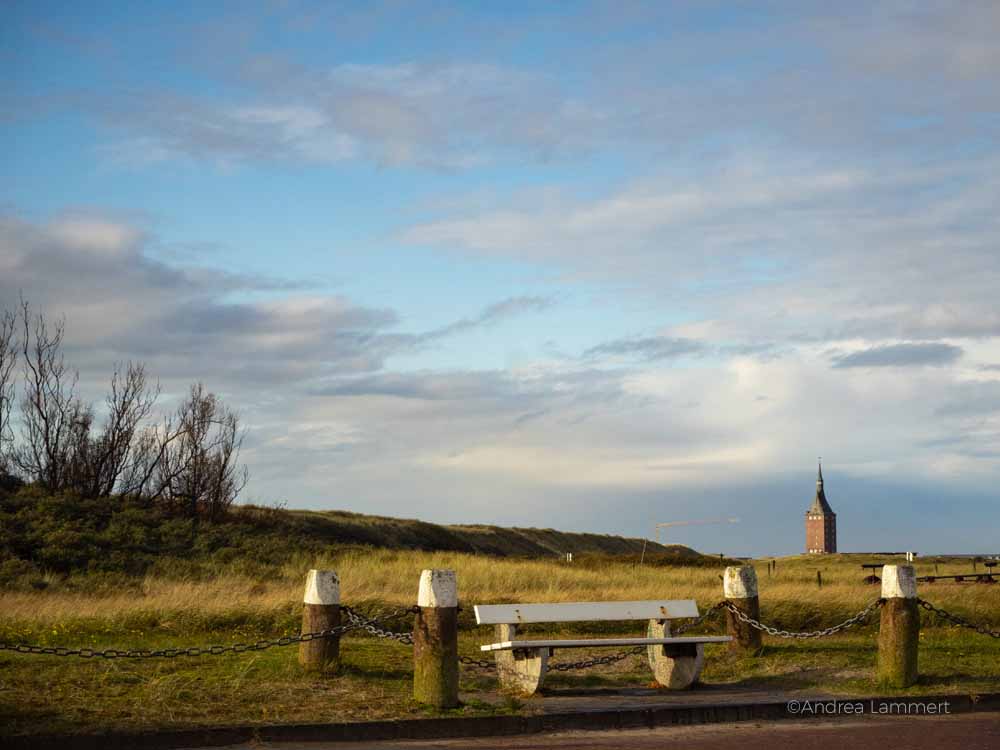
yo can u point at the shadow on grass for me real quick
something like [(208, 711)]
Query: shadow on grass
[(950, 679), (376, 673), (795, 649), (804, 680)]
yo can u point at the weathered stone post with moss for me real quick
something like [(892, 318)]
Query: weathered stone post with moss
[(321, 611), (739, 586), (899, 628), (435, 640)]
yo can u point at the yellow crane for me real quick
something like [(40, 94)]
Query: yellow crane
[(700, 522)]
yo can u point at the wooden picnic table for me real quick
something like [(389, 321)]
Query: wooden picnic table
[(872, 579)]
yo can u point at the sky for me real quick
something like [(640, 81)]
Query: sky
[(582, 265)]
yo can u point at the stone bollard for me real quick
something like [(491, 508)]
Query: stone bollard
[(435, 640), (739, 586), (899, 627), (321, 611)]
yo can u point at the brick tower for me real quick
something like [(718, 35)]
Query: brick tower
[(821, 522)]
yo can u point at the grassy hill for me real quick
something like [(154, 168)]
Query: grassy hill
[(46, 540), (342, 527)]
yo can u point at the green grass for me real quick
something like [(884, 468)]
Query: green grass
[(951, 661), (56, 694)]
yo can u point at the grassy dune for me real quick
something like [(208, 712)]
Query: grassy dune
[(65, 542)]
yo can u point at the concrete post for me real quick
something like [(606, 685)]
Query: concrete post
[(321, 611), (435, 640), (739, 586), (899, 628)]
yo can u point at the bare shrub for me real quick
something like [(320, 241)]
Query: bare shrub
[(105, 461), (192, 457), (53, 418), (188, 461), (8, 361)]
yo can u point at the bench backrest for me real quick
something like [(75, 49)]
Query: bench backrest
[(508, 614)]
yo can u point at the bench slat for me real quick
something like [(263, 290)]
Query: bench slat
[(502, 614), (507, 645)]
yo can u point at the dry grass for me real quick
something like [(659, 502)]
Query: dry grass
[(790, 597), (390, 577)]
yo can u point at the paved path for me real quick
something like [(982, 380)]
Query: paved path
[(957, 732)]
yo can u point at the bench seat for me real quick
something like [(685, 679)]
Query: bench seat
[(497, 614), (505, 645)]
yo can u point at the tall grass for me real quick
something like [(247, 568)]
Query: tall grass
[(174, 604)]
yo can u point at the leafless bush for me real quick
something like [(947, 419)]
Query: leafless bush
[(197, 472), (53, 418), (8, 361), (188, 461), (104, 460)]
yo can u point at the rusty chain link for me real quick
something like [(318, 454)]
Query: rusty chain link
[(698, 620), (171, 653), (356, 621), (477, 663), (860, 617), (486, 664), (597, 661), (622, 655), (370, 624), (958, 620)]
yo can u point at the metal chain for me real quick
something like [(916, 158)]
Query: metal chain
[(597, 661), (370, 624), (477, 663), (958, 620), (486, 664), (698, 620), (355, 621), (171, 653), (622, 655), (860, 617)]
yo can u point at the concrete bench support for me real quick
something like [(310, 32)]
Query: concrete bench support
[(675, 666), (521, 671), (435, 640), (739, 586), (321, 611), (899, 627)]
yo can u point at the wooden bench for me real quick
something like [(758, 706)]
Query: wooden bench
[(676, 661)]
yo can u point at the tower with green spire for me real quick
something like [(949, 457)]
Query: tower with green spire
[(821, 521)]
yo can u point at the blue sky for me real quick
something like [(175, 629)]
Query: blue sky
[(586, 265)]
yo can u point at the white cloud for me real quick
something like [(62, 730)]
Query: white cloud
[(306, 131), (100, 238), (772, 248)]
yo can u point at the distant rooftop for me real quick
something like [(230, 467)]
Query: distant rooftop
[(819, 503)]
